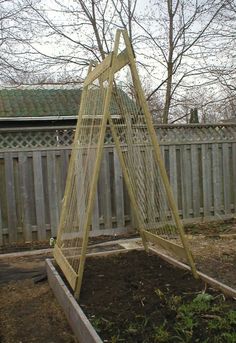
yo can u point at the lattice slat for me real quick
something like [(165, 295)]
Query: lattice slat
[(167, 134)]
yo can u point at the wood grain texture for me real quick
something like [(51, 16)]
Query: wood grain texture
[(10, 198), (53, 191), (119, 194), (1, 226), (79, 323), (226, 178), (216, 179), (195, 180), (234, 173), (68, 271), (206, 180), (25, 199), (165, 244), (219, 176), (39, 195)]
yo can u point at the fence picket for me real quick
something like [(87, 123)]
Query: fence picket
[(24, 177), (226, 177), (234, 174), (202, 173), (216, 179), (1, 227), (39, 195), (173, 171), (186, 181), (195, 180), (206, 180), (95, 216), (10, 198), (105, 188), (119, 194), (64, 167), (52, 191)]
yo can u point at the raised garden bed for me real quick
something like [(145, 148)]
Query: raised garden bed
[(141, 298), (19, 318), (138, 297)]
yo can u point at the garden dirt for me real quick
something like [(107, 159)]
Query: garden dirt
[(29, 312), (138, 297)]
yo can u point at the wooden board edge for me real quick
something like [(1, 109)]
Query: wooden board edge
[(108, 252), (79, 323), (165, 244), (103, 68), (66, 268), (26, 253), (121, 60), (227, 290), (226, 236), (98, 70), (101, 232)]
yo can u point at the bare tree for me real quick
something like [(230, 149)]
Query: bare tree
[(11, 38), (175, 42), (65, 36), (185, 28), (223, 69)]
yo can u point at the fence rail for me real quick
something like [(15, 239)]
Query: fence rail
[(200, 162)]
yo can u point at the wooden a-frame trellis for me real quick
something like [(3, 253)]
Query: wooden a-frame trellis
[(152, 201)]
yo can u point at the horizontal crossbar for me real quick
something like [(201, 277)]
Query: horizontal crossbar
[(165, 244), (98, 70), (121, 60), (103, 69), (68, 271)]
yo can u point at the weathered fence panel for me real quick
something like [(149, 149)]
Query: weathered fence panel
[(200, 162)]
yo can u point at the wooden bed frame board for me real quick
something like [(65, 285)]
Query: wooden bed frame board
[(78, 321)]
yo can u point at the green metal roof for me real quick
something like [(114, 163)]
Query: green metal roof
[(24, 104), (20, 103)]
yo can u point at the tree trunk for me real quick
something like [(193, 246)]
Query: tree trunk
[(168, 94), (169, 63)]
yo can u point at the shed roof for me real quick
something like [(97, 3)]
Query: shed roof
[(39, 103), (44, 104)]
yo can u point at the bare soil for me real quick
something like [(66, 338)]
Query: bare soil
[(212, 228), (29, 312), (214, 255), (216, 258), (137, 297), (23, 246)]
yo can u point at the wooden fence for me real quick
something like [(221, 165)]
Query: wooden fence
[(200, 161)]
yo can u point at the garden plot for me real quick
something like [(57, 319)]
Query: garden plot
[(162, 293), (214, 247), (29, 312), (138, 297)]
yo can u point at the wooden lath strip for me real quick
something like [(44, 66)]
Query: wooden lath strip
[(68, 271), (121, 60), (103, 69), (98, 70), (72, 162), (94, 180), (165, 244), (157, 152)]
